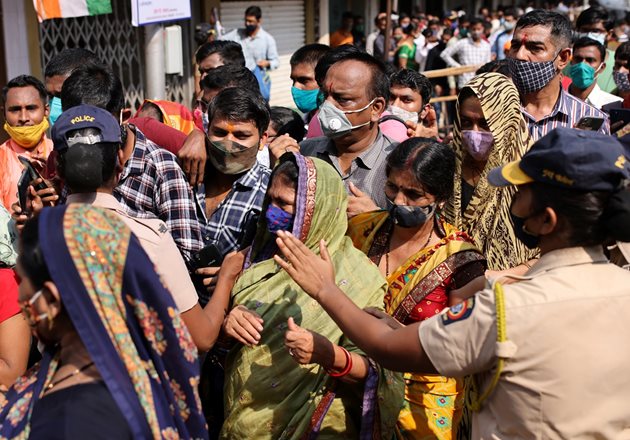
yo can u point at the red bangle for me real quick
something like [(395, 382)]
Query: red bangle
[(346, 369)]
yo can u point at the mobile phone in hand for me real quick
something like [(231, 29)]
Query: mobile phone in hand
[(590, 123)]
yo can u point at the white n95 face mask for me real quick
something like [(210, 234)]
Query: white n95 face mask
[(334, 121), (403, 114)]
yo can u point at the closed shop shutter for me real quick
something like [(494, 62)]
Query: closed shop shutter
[(284, 20)]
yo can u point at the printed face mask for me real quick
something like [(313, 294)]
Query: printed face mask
[(55, 110), (478, 143), (334, 121), (27, 136), (278, 219), (229, 157), (403, 114), (582, 75), (621, 81), (305, 100), (531, 76), (407, 216)]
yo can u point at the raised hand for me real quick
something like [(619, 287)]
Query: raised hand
[(311, 272)]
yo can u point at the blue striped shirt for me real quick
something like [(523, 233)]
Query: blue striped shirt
[(567, 112)]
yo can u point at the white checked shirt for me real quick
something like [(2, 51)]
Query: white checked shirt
[(468, 53)]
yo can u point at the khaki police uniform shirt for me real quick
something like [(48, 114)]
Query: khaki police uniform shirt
[(159, 245), (568, 355)]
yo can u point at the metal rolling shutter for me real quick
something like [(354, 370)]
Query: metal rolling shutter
[(284, 20)]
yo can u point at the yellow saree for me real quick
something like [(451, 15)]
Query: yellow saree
[(433, 404)]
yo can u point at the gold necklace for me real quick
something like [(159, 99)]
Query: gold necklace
[(389, 241), (74, 373)]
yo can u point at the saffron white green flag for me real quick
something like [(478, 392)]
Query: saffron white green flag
[(47, 9)]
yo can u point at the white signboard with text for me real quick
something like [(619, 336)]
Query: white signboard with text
[(158, 11)]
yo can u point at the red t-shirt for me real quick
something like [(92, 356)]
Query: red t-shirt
[(8, 294)]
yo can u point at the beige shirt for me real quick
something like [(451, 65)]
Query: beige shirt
[(566, 375), (159, 245)]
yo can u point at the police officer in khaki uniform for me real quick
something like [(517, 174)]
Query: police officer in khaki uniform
[(83, 135), (549, 353)]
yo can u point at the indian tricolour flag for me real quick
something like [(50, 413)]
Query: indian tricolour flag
[(47, 9)]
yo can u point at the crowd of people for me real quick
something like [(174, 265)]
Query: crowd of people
[(235, 270)]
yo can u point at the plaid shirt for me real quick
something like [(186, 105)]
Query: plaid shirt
[(152, 185), (468, 53), (566, 113), (226, 225)]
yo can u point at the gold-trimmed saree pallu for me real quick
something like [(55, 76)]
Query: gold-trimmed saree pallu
[(267, 394), (487, 216), (433, 404)]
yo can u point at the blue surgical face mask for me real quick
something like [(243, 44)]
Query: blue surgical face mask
[(55, 110), (305, 100), (278, 219)]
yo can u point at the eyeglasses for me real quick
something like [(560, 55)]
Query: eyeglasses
[(29, 313)]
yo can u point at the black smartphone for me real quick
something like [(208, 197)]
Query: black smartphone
[(26, 178), (590, 123), (209, 256)]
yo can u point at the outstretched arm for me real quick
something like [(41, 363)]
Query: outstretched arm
[(399, 350)]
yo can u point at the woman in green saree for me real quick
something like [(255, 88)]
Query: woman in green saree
[(285, 382)]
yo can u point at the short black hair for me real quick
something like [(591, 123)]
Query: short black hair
[(432, 163), (594, 15), (475, 20), (93, 85), (410, 29), (230, 52), (379, 83), (309, 54), (69, 59), (85, 168), (498, 66), (560, 25), (230, 76), (623, 51), (284, 120), (239, 104), (26, 81), (415, 81), (587, 42), (330, 58), (253, 11), (512, 12)]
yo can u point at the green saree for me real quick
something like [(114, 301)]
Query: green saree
[(267, 394)]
